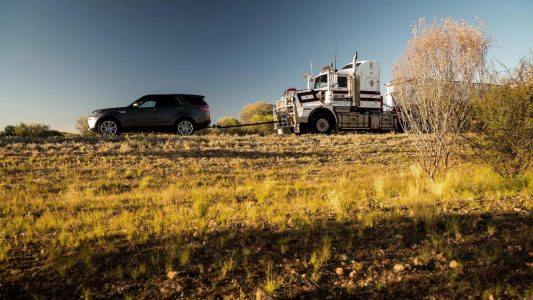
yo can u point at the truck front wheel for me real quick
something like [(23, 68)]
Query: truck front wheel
[(323, 123)]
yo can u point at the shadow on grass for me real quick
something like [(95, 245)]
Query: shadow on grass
[(491, 252)]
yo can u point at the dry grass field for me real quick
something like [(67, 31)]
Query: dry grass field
[(345, 216)]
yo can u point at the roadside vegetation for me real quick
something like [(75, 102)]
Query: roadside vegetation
[(348, 215), (29, 130)]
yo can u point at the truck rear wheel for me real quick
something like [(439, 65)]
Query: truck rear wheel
[(398, 126), (323, 123)]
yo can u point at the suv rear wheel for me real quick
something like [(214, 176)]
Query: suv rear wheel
[(185, 127), (108, 128)]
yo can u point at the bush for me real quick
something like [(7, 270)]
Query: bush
[(229, 121), (503, 121), (258, 112), (82, 126), (30, 130)]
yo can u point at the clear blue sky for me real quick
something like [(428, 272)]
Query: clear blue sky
[(60, 60)]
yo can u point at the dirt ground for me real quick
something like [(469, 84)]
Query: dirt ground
[(221, 217)]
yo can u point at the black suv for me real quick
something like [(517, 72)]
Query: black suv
[(178, 113)]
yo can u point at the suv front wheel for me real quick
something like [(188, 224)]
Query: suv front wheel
[(108, 128), (185, 127)]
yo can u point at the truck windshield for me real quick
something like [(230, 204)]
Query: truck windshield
[(321, 81)]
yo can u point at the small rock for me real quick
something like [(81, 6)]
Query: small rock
[(441, 257), (398, 268), (416, 262), (339, 271), (343, 257), (304, 275), (172, 274), (453, 264), (353, 274)]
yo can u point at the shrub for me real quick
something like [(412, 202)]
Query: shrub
[(229, 121), (503, 121), (258, 112), (30, 130), (82, 126)]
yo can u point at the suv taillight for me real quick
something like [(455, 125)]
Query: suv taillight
[(203, 108)]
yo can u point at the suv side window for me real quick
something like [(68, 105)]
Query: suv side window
[(167, 101), (147, 104), (194, 100), (163, 101)]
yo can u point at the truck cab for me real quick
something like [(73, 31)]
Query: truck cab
[(345, 99)]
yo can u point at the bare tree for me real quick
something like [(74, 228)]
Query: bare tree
[(433, 81)]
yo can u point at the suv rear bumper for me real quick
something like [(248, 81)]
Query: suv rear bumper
[(203, 124)]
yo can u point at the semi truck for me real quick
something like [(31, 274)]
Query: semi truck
[(337, 100)]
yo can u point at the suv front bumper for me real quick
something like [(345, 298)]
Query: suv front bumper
[(91, 122)]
